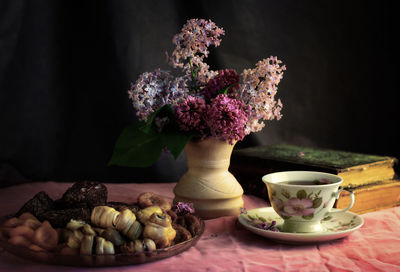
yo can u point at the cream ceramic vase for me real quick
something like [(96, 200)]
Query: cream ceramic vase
[(208, 184)]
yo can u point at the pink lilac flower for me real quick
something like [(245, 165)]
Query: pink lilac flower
[(224, 79), (193, 42), (189, 114), (298, 207), (226, 118), (258, 89), (154, 90)]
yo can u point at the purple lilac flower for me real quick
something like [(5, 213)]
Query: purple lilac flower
[(182, 208), (269, 226), (258, 89), (224, 79), (193, 42), (154, 90), (189, 114), (226, 118)]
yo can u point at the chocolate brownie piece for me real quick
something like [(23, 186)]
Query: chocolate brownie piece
[(37, 205), (60, 218), (85, 194)]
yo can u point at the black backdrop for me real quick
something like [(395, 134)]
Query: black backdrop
[(65, 67)]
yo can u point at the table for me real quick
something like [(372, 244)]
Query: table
[(225, 246)]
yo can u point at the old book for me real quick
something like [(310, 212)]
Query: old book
[(250, 164), (372, 197)]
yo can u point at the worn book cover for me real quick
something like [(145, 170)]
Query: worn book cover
[(250, 164), (372, 197)]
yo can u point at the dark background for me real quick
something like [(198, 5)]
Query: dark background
[(66, 66)]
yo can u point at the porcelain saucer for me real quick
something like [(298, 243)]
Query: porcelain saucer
[(337, 226)]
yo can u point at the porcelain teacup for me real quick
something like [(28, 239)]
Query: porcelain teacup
[(304, 198)]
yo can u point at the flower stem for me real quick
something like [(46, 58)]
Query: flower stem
[(193, 73)]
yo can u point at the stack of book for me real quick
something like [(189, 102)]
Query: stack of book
[(372, 178)]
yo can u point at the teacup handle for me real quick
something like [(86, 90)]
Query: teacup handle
[(352, 199)]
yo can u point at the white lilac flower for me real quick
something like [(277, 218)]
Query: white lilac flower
[(154, 90)]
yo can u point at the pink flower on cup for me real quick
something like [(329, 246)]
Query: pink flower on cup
[(277, 203), (298, 207)]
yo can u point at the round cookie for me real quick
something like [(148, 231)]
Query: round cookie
[(149, 199)]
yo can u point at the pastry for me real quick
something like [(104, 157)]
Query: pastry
[(182, 234), (119, 206), (190, 222), (173, 215), (103, 246), (113, 236), (87, 244), (69, 251), (19, 241), (85, 194), (159, 229), (149, 199), (35, 247), (67, 223), (12, 222), (138, 246), (144, 215), (74, 240), (24, 231), (88, 230), (135, 230), (193, 224), (31, 223), (75, 224), (124, 220), (45, 236), (103, 216), (26, 216)]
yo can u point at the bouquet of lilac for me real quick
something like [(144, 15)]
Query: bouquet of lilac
[(200, 103)]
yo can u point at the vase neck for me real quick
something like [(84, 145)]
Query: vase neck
[(209, 153)]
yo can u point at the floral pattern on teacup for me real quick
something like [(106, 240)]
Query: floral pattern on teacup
[(302, 204)]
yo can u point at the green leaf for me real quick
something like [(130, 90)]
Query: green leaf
[(225, 90), (165, 110), (301, 194), (308, 217), (175, 140), (285, 193), (317, 202), (135, 148)]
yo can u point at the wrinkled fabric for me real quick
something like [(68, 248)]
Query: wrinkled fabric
[(226, 246)]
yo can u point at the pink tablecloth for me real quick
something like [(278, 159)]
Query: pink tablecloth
[(226, 247)]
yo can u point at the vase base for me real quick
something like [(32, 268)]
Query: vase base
[(210, 209)]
